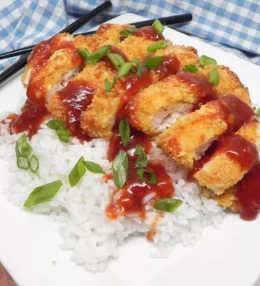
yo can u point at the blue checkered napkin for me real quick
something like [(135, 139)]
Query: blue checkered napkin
[(234, 24)]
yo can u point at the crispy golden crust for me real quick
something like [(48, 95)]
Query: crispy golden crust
[(95, 75), (229, 83), (186, 55), (105, 35), (164, 94), (222, 172), (227, 198), (36, 57), (187, 139)]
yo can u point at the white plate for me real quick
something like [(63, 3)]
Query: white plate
[(29, 243)]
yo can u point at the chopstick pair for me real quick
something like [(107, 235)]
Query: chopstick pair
[(22, 62)]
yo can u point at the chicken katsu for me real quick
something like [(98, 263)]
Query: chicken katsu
[(199, 114)]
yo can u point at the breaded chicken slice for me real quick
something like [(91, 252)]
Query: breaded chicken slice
[(157, 107), (233, 157), (105, 35), (94, 77), (43, 51), (186, 55), (187, 140), (229, 83)]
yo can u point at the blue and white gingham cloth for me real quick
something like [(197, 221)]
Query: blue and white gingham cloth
[(233, 24)]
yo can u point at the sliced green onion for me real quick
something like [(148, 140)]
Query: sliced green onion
[(116, 60), (23, 146), (157, 46), (125, 69), (124, 130), (214, 76), (34, 164), (158, 27), (258, 113), (205, 61), (153, 62), (84, 53), (22, 163), (147, 176), (168, 204), (109, 84), (77, 172), (93, 167), (99, 54), (120, 167), (55, 124), (43, 194), (191, 68), (141, 161), (127, 32), (64, 134), (138, 66)]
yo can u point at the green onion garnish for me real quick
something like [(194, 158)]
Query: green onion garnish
[(124, 131), (138, 67), (109, 84), (168, 204), (128, 31), (61, 131), (258, 113), (93, 167), (120, 167), (34, 164), (205, 61), (24, 158), (153, 62), (157, 46), (191, 68), (98, 55), (158, 27), (77, 172), (214, 76), (84, 53), (116, 60), (147, 176), (125, 69), (141, 161), (43, 194)]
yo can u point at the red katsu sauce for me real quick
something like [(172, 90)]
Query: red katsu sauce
[(152, 232), (75, 98), (129, 199), (235, 147), (8, 122), (30, 119), (149, 33), (115, 50), (248, 194)]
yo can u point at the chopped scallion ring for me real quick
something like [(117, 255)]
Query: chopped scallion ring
[(125, 69), (99, 54), (138, 66), (77, 172), (23, 163), (147, 176), (120, 167), (205, 60), (128, 31), (93, 167), (116, 60), (124, 130), (191, 68), (84, 53), (158, 27), (258, 113), (153, 62), (34, 164), (214, 76), (141, 161), (157, 46), (168, 204), (61, 131)]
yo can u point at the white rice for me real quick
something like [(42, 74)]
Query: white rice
[(91, 237)]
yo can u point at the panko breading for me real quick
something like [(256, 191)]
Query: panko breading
[(188, 139), (222, 171), (186, 55), (229, 83), (168, 99), (105, 35)]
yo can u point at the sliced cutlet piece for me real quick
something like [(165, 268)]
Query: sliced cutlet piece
[(157, 107), (186, 55), (68, 103), (230, 160), (64, 62), (229, 82), (105, 35)]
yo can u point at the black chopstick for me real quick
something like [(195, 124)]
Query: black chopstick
[(177, 19), (9, 72)]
